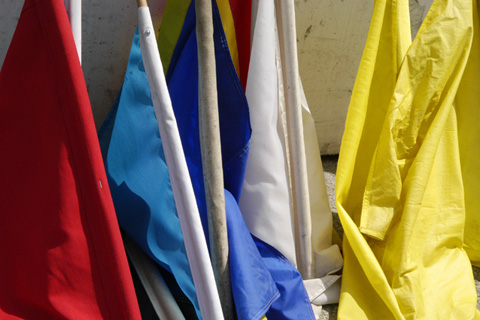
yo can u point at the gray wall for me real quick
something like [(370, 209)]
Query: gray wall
[(331, 37), (107, 32)]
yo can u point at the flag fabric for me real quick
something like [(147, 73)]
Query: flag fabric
[(59, 234), (138, 175), (140, 183), (249, 266), (282, 289), (467, 102), (182, 78), (325, 287), (387, 43), (183, 193), (265, 201), (172, 22), (242, 17), (400, 193), (229, 29), (174, 18)]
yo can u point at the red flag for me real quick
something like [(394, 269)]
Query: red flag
[(60, 246)]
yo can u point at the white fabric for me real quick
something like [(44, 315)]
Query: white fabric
[(187, 209), (327, 256), (266, 195), (265, 200), (323, 291)]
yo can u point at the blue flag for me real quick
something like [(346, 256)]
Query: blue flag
[(263, 280)]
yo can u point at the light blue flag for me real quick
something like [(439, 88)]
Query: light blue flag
[(138, 176)]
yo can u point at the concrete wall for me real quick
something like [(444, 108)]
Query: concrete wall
[(107, 32), (331, 37)]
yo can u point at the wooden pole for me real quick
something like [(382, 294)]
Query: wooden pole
[(211, 154), (301, 200)]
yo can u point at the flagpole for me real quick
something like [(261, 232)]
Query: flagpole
[(157, 291), (183, 193), (74, 11), (301, 200), (211, 154), (152, 281)]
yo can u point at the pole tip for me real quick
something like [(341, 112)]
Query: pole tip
[(142, 3)]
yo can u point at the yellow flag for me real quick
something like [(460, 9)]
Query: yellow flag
[(467, 105), (366, 292), (401, 193)]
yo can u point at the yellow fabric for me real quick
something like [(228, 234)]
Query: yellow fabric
[(229, 28), (399, 176), (366, 292), (172, 24), (170, 29), (467, 104)]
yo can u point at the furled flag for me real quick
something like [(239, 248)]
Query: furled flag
[(138, 175), (399, 184), (61, 249), (183, 193), (387, 43), (265, 201), (250, 265)]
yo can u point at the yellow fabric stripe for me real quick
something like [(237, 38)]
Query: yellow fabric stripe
[(172, 24), (170, 29), (229, 28)]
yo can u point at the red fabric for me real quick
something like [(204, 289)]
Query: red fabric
[(61, 251), (242, 15)]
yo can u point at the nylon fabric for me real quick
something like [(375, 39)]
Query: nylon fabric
[(170, 29), (466, 105), (187, 209), (173, 20), (242, 16), (59, 233), (235, 136), (265, 201), (138, 175), (396, 186)]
